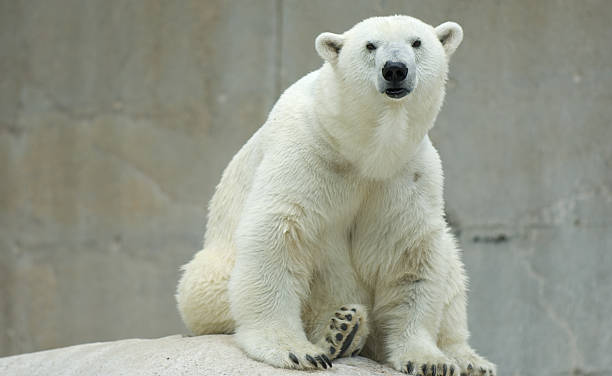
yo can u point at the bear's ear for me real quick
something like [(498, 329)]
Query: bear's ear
[(328, 46), (450, 35)]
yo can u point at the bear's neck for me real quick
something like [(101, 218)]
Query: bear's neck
[(377, 136)]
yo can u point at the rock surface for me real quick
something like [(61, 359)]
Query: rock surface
[(173, 355)]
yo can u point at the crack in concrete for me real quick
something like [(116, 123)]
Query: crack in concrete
[(562, 210), (577, 358), (157, 188)]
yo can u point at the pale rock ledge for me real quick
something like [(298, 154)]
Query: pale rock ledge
[(175, 355)]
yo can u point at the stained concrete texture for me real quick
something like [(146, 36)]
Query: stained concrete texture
[(117, 118), (169, 356)]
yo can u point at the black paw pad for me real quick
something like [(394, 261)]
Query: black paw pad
[(343, 326), (349, 340), (332, 350), (349, 317), (339, 337)]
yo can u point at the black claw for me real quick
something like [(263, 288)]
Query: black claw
[(353, 309), (433, 370), (470, 368), (343, 326), (338, 315), (332, 350), (349, 317), (328, 339), (452, 370), (482, 370), (321, 361), (424, 369), (444, 369), (344, 308), (356, 352), (294, 358), (410, 367), (326, 360), (311, 360), (339, 337)]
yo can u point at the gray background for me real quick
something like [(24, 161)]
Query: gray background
[(118, 117)]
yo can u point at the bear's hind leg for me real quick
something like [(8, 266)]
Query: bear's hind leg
[(202, 296), (346, 332)]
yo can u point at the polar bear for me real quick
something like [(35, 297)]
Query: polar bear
[(326, 236)]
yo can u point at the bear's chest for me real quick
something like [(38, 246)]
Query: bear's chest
[(361, 210)]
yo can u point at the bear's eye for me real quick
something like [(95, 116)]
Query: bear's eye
[(370, 46), (416, 43)]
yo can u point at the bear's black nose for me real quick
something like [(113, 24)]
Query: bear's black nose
[(394, 71)]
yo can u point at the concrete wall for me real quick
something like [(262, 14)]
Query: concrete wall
[(118, 117)]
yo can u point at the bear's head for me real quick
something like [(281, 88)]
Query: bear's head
[(393, 57)]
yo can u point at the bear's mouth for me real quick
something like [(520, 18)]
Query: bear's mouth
[(397, 92)]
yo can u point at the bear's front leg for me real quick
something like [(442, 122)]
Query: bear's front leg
[(268, 284), (408, 308), (454, 334)]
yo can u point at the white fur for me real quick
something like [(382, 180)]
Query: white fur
[(337, 199)]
